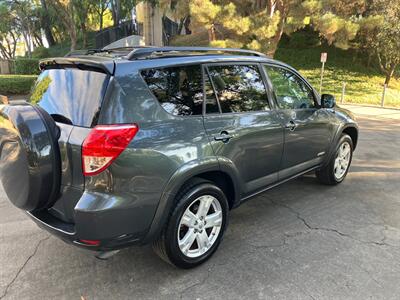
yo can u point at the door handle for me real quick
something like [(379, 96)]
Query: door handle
[(291, 125), (224, 137)]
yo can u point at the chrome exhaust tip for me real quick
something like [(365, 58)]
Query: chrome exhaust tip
[(104, 255)]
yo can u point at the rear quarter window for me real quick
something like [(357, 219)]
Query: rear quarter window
[(179, 90), (71, 96)]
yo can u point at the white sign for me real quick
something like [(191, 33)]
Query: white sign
[(324, 57)]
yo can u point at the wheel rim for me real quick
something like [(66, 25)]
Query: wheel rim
[(342, 160), (200, 226)]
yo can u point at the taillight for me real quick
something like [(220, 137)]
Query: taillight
[(104, 144)]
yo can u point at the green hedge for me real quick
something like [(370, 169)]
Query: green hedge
[(16, 84), (26, 66)]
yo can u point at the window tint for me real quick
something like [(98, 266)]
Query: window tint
[(71, 96), (290, 91), (239, 88), (179, 89)]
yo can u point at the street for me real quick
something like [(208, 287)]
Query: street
[(301, 240)]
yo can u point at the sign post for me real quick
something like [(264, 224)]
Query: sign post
[(383, 95), (324, 57)]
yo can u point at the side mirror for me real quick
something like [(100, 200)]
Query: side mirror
[(328, 101)]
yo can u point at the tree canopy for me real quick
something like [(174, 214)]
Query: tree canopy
[(371, 26)]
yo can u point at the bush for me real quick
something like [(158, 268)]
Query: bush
[(41, 52), (26, 66), (16, 84)]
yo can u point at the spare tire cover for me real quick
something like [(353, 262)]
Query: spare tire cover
[(30, 166)]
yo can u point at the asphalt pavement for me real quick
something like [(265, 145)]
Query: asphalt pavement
[(301, 240)]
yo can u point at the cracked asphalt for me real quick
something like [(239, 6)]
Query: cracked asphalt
[(301, 240)]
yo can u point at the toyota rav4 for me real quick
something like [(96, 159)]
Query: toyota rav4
[(130, 146)]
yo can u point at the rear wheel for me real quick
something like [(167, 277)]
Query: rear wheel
[(195, 227), (336, 170)]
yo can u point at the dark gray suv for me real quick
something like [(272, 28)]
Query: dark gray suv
[(131, 146)]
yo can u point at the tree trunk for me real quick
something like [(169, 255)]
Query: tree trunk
[(46, 24), (369, 60), (181, 24), (38, 39), (14, 49), (271, 6), (260, 4), (275, 40), (211, 33), (73, 38), (116, 11), (390, 73), (66, 13), (84, 35), (101, 21), (28, 44)]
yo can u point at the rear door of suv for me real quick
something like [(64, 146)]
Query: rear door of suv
[(240, 123), (73, 98)]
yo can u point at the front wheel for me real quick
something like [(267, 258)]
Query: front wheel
[(195, 227), (336, 170)]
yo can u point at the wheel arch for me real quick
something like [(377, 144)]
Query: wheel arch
[(352, 131), (222, 173)]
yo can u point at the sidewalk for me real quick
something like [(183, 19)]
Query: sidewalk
[(370, 111)]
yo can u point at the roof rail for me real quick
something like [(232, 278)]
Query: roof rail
[(138, 53), (95, 51), (83, 52)]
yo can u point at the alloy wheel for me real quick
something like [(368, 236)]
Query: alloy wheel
[(342, 160), (200, 226)]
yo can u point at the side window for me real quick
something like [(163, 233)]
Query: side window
[(290, 91), (239, 88), (178, 89)]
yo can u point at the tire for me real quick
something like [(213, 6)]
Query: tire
[(190, 197), (30, 163), (327, 174)]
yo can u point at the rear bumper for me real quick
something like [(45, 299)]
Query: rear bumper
[(67, 233), (99, 217)]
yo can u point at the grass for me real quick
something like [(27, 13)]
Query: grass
[(364, 85)]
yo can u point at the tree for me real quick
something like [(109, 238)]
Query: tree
[(379, 35), (46, 23), (121, 9), (82, 8), (66, 12), (259, 24), (8, 36), (100, 10), (388, 37), (116, 11), (25, 22), (180, 10)]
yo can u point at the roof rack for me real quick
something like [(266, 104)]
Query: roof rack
[(138, 53), (82, 52), (123, 50)]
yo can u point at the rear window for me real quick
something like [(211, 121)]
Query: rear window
[(71, 96)]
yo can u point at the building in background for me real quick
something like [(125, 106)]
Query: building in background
[(149, 26)]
